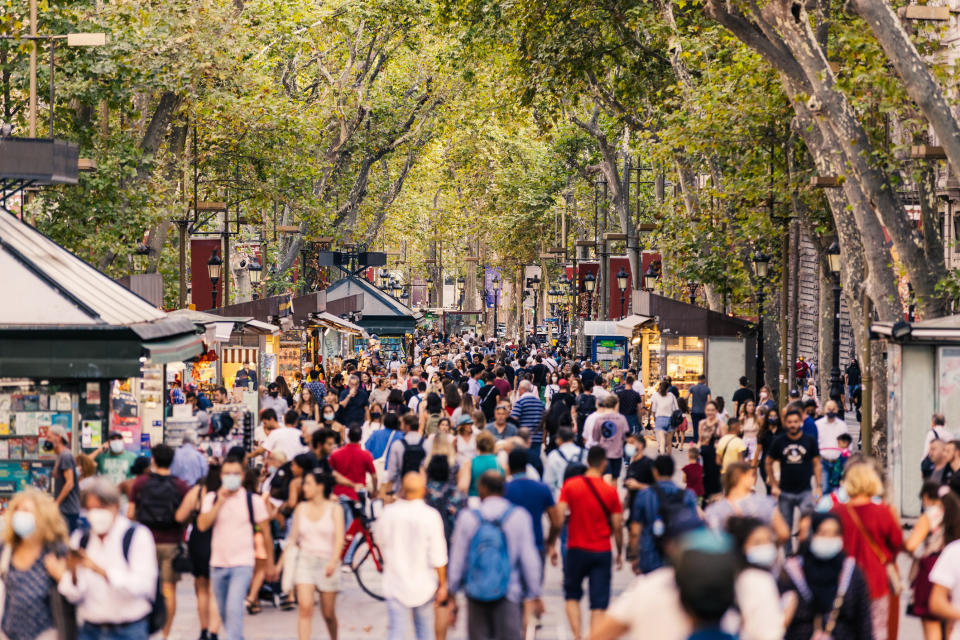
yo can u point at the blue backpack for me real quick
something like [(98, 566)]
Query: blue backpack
[(488, 560)]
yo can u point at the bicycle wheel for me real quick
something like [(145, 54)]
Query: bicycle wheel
[(367, 566)]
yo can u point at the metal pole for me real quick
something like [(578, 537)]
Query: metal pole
[(866, 390), (53, 45), (836, 385), (182, 228), (784, 301), (33, 68), (761, 369), (214, 295)]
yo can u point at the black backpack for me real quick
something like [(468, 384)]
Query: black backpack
[(676, 419), (574, 467), (671, 511), (280, 482), (586, 404), (158, 613), (413, 456), (157, 502), (489, 395)]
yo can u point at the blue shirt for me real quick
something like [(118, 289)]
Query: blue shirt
[(810, 428), (189, 464), (646, 510), (317, 390), (352, 410), (528, 411), (533, 496), (379, 440), (524, 556)]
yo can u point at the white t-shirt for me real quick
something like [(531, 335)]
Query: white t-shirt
[(827, 432), (663, 405), (638, 387), (287, 440), (945, 435), (410, 536), (946, 573), (651, 608)]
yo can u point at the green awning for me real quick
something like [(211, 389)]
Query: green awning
[(175, 349)]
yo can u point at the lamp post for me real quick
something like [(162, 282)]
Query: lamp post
[(650, 278), (461, 282), (535, 285), (256, 274), (761, 265), (496, 305), (590, 283), (836, 385), (692, 287), (622, 278), (214, 265)]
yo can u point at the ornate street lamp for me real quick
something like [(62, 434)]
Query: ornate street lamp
[(692, 287), (590, 283), (255, 269), (650, 278), (622, 277), (836, 385), (214, 266)]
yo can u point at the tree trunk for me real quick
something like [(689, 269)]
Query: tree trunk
[(917, 78)]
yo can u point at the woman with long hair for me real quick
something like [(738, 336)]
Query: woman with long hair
[(709, 435), (823, 589), (308, 408), (749, 427), (451, 398), (662, 405), (444, 496), (945, 575), (374, 421), (769, 428), (366, 382), (467, 406), (31, 562), (284, 389), (430, 413), (873, 537), (395, 403), (925, 542), (317, 535), (198, 545)]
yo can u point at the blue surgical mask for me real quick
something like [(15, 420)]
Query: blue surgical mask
[(232, 481), (826, 548), (762, 555), (831, 415), (24, 523)]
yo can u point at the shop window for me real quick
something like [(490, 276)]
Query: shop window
[(685, 343), (684, 368)]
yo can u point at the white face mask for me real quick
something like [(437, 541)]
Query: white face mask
[(328, 416), (762, 555), (116, 446), (232, 481), (826, 548), (100, 520), (630, 450), (24, 523)]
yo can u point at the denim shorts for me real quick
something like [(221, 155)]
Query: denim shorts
[(662, 423)]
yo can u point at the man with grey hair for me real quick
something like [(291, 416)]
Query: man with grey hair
[(65, 481), (189, 464), (353, 403), (114, 581)]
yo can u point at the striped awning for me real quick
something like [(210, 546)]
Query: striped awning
[(239, 355)]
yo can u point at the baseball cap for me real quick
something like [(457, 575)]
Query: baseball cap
[(114, 434), (464, 420), (563, 382)]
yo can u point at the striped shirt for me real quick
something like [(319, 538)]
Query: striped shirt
[(528, 411)]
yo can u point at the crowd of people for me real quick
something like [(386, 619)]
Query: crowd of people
[(494, 462)]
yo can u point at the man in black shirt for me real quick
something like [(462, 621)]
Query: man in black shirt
[(630, 403), (588, 375), (741, 395), (510, 372), (799, 458), (539, 373), (640, 468), (853, 378)]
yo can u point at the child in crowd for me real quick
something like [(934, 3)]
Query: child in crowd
[(693, 472)]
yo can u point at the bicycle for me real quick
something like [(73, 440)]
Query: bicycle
[(367, 561)]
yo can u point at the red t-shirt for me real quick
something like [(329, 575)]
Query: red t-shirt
[(354, 463), (878, 521), (587, 527), (503, 386), (693, 476), (161, 536)]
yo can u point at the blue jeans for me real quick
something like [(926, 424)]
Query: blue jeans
[(398, 620), (134, 631), (72, 520), (787, 502), (230, 586)]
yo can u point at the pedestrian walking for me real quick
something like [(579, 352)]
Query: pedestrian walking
[(154, 499), (710, 428), (698, 396), (663, 404), (189, 463), (799, 459), (925, 543), (34, 545), (945, 575), (495, 563), (198, 549), (757, 595), (529, 408), (741, 500), (607, 428), (65, 481), (313, 552), (113, 459), (485, 460), (824, 591), (234, 515), (595, 513), (730, 448), (411, 537), (112, 576)]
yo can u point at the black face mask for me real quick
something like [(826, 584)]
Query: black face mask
[(274, 394), (375, 416), (47, 445)]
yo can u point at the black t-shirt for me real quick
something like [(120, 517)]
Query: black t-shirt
[(511, 375), (740, 396), (539, 372), (564, 397), (629, 399), (796, 461), (587, 376), (853, 374), (642, 471)]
